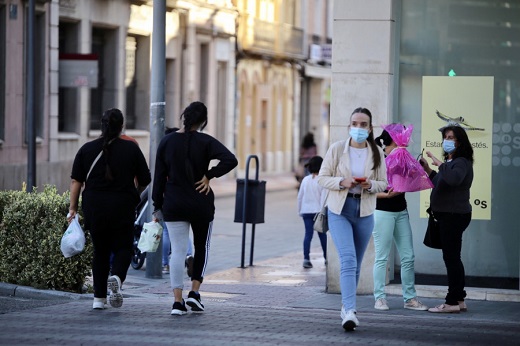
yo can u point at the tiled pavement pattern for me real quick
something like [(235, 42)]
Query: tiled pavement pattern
[(276, 302)]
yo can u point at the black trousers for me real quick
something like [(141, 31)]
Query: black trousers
[(111, 236), (452, 226)]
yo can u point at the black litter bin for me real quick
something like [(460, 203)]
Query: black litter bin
[(255, 201)]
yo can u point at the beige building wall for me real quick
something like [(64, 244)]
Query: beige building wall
[(265, 114), (208, 22), (270, 52), (362, 76)]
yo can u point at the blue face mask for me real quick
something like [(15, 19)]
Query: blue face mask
[(448, 146), (358, 134)]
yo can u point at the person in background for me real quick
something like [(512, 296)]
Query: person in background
[(183, 197), (449, 202), (109, 201), (392, 223), (308, 149), (311, 197), (353, 171)]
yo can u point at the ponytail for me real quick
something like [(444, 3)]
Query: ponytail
[(111, 127), (195, 118)]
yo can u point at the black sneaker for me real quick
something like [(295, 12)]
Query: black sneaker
[(179, 308), (194, 301)]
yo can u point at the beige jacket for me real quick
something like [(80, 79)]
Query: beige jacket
[(336, 167)]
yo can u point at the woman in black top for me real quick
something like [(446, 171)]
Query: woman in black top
[(109, 201), (449, 202), (182, 197)]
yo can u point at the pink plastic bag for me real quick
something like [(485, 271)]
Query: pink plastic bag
[(404, 173)]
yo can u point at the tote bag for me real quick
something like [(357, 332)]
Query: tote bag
[(150, 237)]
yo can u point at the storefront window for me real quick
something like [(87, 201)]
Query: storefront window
[(472, 38)]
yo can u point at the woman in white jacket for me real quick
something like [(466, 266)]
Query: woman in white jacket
[(354, 171)]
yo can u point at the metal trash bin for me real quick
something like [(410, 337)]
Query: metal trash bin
[(255, 201)]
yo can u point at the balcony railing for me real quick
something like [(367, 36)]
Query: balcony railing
[(271, 38)]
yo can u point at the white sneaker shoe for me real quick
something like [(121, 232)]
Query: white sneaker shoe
[(99, 303), (381, 304), (114, 286), (415, 304), (349, 320)]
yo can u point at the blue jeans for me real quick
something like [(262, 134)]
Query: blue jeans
[(350, 234), (165, 245), (308, 220), (390, 226)]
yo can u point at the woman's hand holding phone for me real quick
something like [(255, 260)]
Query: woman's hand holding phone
[(363, 182)]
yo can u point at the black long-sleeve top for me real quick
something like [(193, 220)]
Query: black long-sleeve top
[(452, 183), (394, 204), (116, 198), (173, 190)]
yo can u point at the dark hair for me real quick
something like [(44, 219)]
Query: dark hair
[(370, 139), (384, 139), (195, 115), (464, 148), (314, 164), (308, 141), (111, 127)]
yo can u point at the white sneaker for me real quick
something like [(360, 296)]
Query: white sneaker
[(415, 304), (114, 286), (349, 320), (381, 304), (99, 303)]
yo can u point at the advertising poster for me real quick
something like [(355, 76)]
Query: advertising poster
[(468, 102)]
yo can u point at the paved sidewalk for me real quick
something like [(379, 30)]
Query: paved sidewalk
[(275, 302)]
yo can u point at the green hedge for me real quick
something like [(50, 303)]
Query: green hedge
[(31, 227)]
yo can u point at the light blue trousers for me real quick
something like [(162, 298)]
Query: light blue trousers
[(390, 227), (350, 234)]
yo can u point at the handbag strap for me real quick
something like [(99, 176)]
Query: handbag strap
[(93, 164), (325, 200)]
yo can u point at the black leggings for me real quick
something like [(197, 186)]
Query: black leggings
[(111, 236), (452, 226)]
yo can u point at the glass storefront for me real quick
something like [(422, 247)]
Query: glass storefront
[(472, 38)]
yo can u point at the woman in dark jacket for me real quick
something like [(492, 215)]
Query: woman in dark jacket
[(107, 167), (182, 197), (450, 204)]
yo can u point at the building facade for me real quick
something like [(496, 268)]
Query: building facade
[(91, 55), (269, 55), (316, 77)]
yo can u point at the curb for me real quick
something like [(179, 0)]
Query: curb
[(7, 289)]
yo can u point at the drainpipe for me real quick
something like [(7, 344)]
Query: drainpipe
[(29, 110)]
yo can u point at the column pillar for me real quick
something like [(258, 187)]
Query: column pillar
[(364, 47)]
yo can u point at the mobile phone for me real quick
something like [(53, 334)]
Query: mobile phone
[(360, 180), (420, 155)]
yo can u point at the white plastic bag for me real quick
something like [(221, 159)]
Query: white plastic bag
[(73, 240), (150, 237)]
